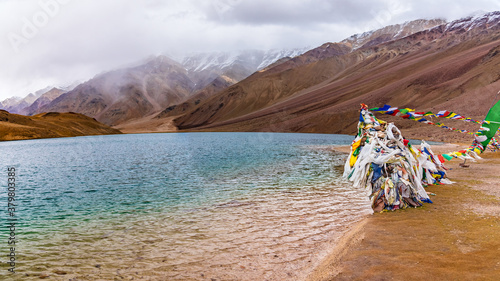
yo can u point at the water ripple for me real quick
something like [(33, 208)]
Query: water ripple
[(180, 206)]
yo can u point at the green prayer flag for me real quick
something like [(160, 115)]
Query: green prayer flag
[(489, 127), (447, 157)]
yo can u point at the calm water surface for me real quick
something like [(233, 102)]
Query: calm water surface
[(188, 206)]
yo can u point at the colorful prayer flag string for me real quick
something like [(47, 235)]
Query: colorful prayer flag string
[(474, 150)]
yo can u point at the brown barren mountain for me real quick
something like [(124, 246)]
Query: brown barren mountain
[(17, 104), (327, 50), (44, 99), (454, 66), (130, 96), (125, 94), (49, 125)]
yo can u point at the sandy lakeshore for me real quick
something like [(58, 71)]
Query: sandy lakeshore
[(456, 238)]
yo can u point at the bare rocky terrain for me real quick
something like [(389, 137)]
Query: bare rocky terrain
[(49, 125), (453, 66)]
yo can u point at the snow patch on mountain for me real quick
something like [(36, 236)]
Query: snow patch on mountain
[(487, 20), (251, 59), (391, 32), (274, 55)]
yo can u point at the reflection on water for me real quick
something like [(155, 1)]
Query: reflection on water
[(180, 206)]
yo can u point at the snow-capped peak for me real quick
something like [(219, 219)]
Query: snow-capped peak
[(487, 20), (250, 59), (391, 32)]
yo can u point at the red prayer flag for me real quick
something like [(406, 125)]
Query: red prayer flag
[(441, 158)]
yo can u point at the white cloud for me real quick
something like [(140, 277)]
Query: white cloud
[(60, 41)]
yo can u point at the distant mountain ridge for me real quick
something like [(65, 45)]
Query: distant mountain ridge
[(29, 104), (327, 50), (42, 100), (17, 104), (126, 94), (316, 90), (253, 59), (196, 76), (391, 32), (454, 65)]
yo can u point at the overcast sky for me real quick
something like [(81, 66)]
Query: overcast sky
[(57, 42)]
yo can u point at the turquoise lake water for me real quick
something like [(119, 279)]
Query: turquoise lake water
[(180, 206)]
